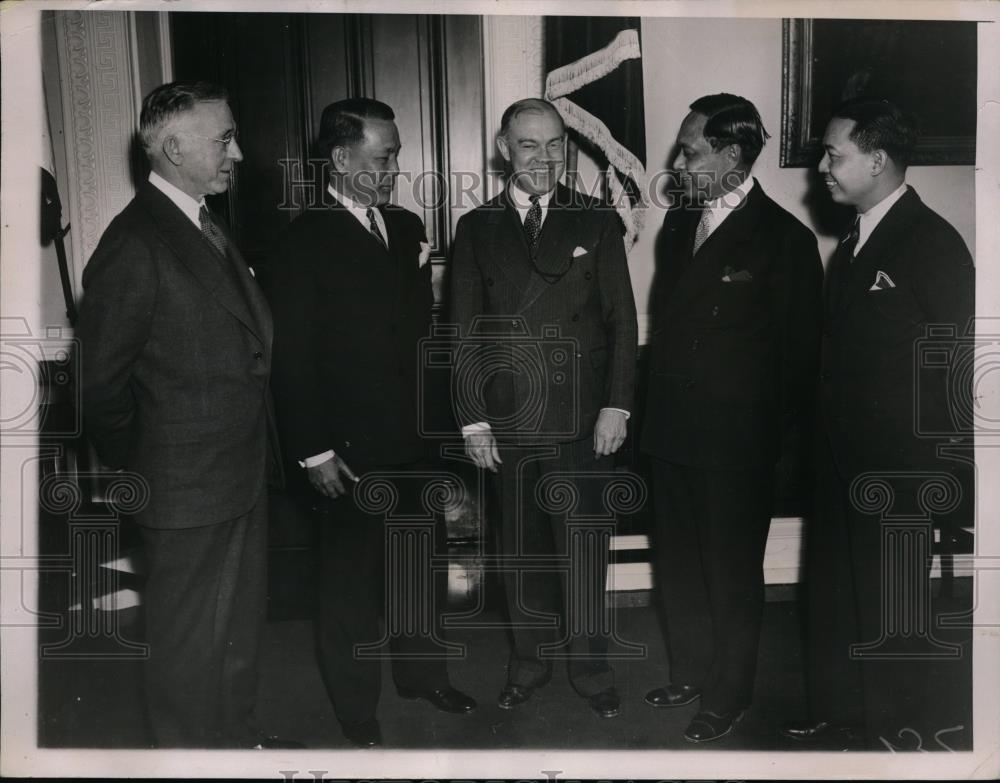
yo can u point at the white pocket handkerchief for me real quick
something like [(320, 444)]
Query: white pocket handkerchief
[(882, 282), (580, 251), (425, 254)]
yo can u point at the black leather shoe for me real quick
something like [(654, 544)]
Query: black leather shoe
[(513, 695), (672, 696), (366, 734), (445, 699), (708, 726), (269, 742), (606, 703), (808, 730)]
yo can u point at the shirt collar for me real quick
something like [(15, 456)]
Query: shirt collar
[(522, 201), (728, 202), (359, 212), (182, 200), (870, 219)]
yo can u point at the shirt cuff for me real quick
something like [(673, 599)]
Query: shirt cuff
[(476, 428), (620, 410), (319, 459)]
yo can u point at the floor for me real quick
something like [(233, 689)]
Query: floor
[(92, 699)]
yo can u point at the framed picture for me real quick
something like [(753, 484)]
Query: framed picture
[(926, 67)]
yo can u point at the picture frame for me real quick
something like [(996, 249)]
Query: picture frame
[(928, 68)]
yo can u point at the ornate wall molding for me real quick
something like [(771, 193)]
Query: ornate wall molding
[(512, 69), (97, 85)]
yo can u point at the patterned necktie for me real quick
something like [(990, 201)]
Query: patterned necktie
[(703, 230), (211, 231), (373, 227), (533, 223)]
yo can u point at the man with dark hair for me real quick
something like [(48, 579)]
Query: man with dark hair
[(175, 356), (541, 256), (733, 358), (900, 269), (351, 296)]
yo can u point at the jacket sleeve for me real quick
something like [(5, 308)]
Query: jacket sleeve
[(467, 301), (797, 313), (618, 309), (299, 401), (116, 316)]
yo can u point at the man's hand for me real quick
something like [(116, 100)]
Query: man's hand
[(609, 432), (482, 448), (327, 478)]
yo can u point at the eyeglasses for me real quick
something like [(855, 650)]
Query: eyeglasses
[(225, 141)]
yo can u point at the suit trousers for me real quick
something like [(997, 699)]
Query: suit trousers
[(709, 533), (205, 607), (557, 610), (844, 590), (361, 578)]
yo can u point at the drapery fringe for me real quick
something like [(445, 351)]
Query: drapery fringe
[(570, 78), (620, 158)]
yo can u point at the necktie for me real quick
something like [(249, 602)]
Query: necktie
[(851, 240), (841, 264), (211, 232), (703, 230), (533, 223), (373, 227)]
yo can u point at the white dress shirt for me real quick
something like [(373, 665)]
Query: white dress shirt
[(723, 206), (184, 202), (871, 218), (361, 213)]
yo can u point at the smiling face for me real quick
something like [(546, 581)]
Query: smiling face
[(705, 173), (535, 148), (203, 165), (850, 173), (368, 169)]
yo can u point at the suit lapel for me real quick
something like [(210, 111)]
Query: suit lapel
[(508, 250), (553, 256), (879, 247), (706, 267), (197, 256)]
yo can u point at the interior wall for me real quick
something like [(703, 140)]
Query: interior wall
[(684, 59)]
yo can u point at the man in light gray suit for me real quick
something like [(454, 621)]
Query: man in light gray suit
[(543, 256)]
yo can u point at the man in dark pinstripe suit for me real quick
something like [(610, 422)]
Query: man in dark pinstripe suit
[(546, 268)]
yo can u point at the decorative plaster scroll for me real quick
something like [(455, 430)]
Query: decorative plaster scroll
[(100, 112)]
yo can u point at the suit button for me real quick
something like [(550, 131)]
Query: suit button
[(694, 345), (258, 355), (587, 275), (715, 310), (576, 316), (347, 443)]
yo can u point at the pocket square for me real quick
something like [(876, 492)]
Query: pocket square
[(425, 253), (580, 251), (730, 275), (882, 282)]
